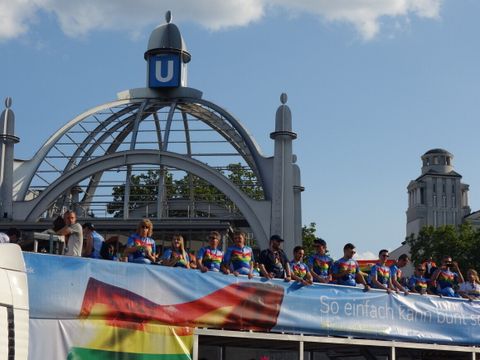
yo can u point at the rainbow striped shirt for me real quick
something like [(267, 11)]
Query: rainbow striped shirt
[(211, 258), (348, 265), (418, 283), (299, 269), (182, 261), (320, 264), (446, 278), (239, 258), (382, 272)]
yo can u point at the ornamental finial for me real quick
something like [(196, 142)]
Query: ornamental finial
[(168, 16)]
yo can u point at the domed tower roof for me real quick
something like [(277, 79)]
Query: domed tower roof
[(438, 151), (167, 37), (437, 161)]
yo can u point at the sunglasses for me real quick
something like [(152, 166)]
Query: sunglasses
[(145, 227), (422, 270), (385, 255)]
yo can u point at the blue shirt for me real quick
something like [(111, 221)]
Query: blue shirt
[(140, 243), (396, 273), (182, 261), (239, 258), (382, 272), (352, 268), (97, 245), (418, 283), (299, 268), (320, 264), (211, 258)]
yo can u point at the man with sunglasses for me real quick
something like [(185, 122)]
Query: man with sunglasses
[(346, 271), (209, 258), (273, 262), (320, 264), (418, 283), (445, 278), (379, 277)]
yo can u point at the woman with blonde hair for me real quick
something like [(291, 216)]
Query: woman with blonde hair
[(176, 256), (470, 288), (140, 246)]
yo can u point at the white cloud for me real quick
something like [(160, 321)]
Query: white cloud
[(77, 18), (365, 15), (366, 255), (15, 15)]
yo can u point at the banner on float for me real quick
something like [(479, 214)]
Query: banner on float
[(96, 339), (140, 297)]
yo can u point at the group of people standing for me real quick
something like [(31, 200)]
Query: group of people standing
[(238, 259), (445, 280)]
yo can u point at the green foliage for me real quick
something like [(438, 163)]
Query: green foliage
[(144, 189), (461, 243), (192, 186), (245, 179), (308, 235)]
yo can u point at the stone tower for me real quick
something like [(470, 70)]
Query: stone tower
[(437, 197)]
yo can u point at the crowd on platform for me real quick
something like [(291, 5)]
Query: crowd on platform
[(428, 278)]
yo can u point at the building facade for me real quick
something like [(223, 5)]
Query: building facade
[(437, 197)]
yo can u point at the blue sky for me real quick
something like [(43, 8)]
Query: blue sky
[(372, 85)]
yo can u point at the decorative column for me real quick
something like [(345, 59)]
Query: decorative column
[(7, 141), (283, 213)]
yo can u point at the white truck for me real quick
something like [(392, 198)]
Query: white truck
[(13, 304)]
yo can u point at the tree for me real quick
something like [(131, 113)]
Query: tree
[(461, 243), (143, 192), (144, 189), (245, 179), (308, 236)]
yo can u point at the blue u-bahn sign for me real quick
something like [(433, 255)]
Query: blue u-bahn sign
[(164, 70)]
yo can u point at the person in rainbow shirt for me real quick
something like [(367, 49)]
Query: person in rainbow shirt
[(209, 258), (445, 278), (299, 270), (398, 280), (238, 258), (417, 283), (346, 271), (140, 246), (176, 256), (320, 264), (379, 277)]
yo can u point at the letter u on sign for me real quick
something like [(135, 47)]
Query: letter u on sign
[(159, 71), (164, 71)]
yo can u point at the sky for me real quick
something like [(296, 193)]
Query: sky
[(372, 85)]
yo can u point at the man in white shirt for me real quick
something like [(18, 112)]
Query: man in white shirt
[(73, 233)]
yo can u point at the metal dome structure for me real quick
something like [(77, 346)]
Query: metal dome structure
[(162, 152)]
